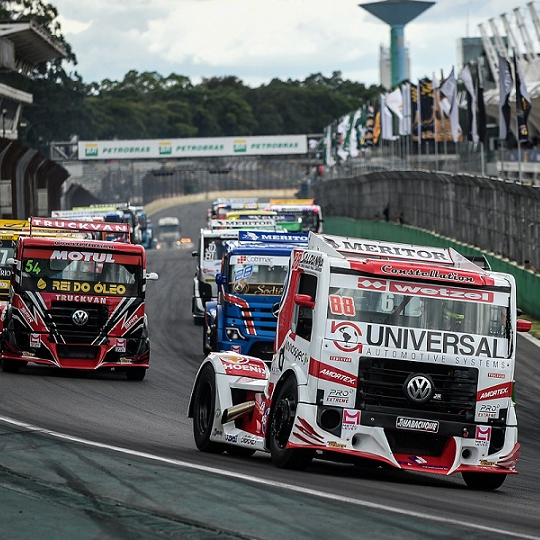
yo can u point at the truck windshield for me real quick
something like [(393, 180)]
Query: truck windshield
[(486, 316), (88, 276), (249, 278), (213, 249)]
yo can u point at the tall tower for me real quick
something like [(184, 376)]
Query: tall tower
[(397, 13)]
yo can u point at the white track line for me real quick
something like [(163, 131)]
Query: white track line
[(264, 482)]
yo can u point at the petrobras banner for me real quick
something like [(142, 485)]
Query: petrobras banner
[(189, 148)]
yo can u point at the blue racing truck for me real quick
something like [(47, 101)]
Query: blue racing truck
[(253, 271)]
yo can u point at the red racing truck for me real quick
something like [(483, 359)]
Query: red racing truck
[(77, 303)]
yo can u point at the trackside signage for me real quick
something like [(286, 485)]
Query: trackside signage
[(201, 147)]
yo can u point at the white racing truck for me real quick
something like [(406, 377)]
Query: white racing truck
[(385, 354), (168, 232)]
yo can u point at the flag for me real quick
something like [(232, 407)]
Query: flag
[(343, 137), (481, 107), (466, 77), (353, 134), (416, 116), (394, 101), (449, 90), (427, 109), (405, 123), (387, 129), (505, 87), (329, 160), (523, 102)]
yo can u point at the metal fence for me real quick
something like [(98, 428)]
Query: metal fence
[(497, 216)]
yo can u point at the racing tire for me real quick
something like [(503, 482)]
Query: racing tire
[(281, 424), (204, 408), (12, 366), (135, 374), (484, 481)]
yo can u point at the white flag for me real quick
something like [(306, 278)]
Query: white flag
[(505, 87), (405, 123), (387, 130), (449, 89), (394, 101)]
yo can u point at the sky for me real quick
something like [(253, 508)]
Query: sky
[(260, 40)]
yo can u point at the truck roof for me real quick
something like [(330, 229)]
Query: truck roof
[(169, 220), (261, 242), (78, 243), (397, 260)]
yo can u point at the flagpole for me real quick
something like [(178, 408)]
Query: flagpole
[(519, 150)]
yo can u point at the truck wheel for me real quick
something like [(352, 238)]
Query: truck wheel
[(135, 374), (484, 481), (204, 404), (12, 366), (281, 424)]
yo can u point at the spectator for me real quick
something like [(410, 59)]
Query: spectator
[(386, 212)]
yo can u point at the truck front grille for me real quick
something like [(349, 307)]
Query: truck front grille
[(381, 387), (61, 314)]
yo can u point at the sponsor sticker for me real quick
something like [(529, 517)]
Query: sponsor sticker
[(120, 345), (351, 419), (483, 435), (415, 424)]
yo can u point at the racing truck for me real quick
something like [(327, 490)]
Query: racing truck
[(253, 270), (10, 229), (386, 355), (77, 303)]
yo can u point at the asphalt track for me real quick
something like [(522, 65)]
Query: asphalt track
[(142, 477)]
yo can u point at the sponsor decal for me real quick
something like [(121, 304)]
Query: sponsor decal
[(236, 349), (371, 284), (254, 259), (493, 375), (165, 148), (35, 341), (298, 355), (244, 367), (433, 341), (335, 444), (217, 433), (349, 336), (351, 419), (80, 298), (495, 392), (337, 396), (246, 439), (231, 438), (332, 374), (311, 261), (402, 251), (336, 358), (428, 274), (120, 345), (85, 256), (440, 292), (483, 435), (415, 424), (110, 289)]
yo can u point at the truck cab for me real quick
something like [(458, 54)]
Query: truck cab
[(385, 354), (250, 283), (77, 303)]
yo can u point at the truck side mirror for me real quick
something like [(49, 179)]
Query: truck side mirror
[(10, 261), (523, 326), (195, 253), (304, 300), (220, 279), (152, 276)]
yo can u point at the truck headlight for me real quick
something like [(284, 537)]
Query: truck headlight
[(233, 333)]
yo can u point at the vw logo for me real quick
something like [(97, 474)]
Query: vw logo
[(80, 317), (419, 388)]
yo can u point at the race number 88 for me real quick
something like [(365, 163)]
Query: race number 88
[(342, 305)]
